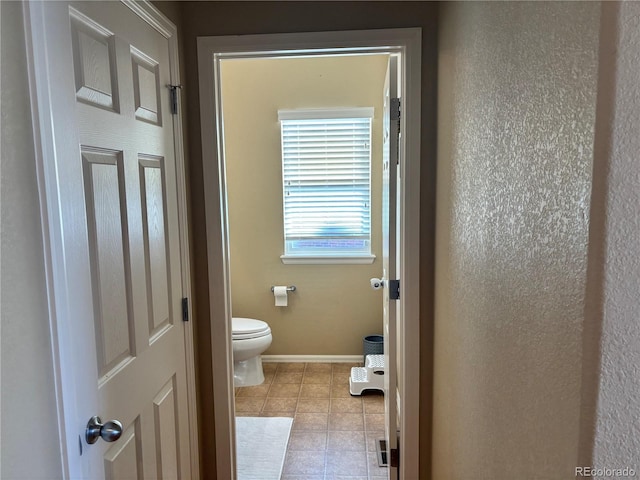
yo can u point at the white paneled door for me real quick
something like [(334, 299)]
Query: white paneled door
[(389, 258), (112, 207)]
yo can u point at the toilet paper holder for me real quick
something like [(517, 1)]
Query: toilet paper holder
[(292, 288)]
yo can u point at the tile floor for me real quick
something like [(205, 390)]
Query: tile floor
[(333, 434)]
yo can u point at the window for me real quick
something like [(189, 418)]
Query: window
[(326, 172)]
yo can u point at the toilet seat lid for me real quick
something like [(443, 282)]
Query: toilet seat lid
[(244, 328)]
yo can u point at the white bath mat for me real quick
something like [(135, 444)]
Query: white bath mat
[(261, 444)]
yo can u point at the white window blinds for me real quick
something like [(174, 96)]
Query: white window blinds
[(326, 165)]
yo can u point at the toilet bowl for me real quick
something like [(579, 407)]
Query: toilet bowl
[(250, 338)]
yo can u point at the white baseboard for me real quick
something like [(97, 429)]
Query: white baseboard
[(313, 358)]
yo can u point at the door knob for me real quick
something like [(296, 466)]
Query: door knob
[(376, 283), (109, 431)]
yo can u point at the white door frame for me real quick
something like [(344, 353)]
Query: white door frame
[(407, 42), (59, 297)]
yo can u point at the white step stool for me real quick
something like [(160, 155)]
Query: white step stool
[(369, 377)]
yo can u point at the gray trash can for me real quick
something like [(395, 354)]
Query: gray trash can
[(372, 345)]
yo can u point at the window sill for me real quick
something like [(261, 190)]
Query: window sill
[(327, 259)]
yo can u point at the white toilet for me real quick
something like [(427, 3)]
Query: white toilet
[(250, 338)]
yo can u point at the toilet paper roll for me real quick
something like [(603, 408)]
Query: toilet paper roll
[(280, 292)]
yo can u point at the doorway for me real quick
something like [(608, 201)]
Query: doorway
[(330, 197), (214, 50)]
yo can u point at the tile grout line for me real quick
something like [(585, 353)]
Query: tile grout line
[(266, 398), (326, 445), (326, 451), (267, 395), (293, 421)]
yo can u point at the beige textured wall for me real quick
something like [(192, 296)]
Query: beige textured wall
[(333, 306), (29, 430), (517, 92), (610, 429)]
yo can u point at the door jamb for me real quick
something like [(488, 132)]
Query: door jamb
[(58, 296), (210, 50)]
